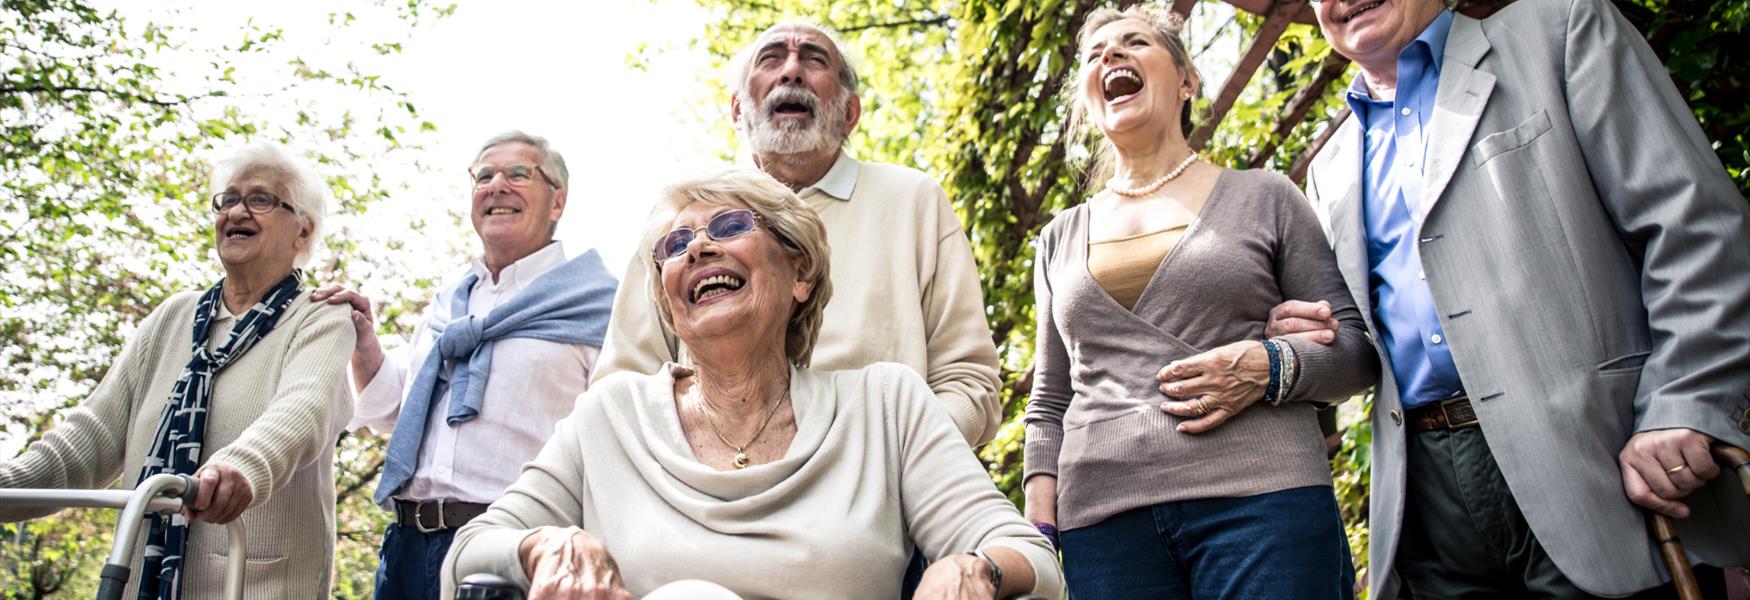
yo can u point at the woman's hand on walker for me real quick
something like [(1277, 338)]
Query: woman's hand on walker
[(223, 495)]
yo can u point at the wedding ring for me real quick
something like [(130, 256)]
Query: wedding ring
[(1202, 406), (1676, 469)]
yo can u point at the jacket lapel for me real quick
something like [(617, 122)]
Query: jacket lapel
[(1338, 172), (1458, 106)]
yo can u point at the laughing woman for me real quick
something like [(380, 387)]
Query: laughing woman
[(241, 386), (749, 470), (1176, 448)]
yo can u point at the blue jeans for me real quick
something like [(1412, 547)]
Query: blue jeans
[(1288, 545), (410, 563)]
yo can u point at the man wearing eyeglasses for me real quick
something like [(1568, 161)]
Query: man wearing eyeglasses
[(905, 288), (1556, 265), (500, 356)]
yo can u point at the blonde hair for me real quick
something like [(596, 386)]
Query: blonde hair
[(797, 228), (1168, 26)]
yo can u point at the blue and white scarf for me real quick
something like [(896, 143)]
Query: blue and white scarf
[(176, 448), (567, 305)]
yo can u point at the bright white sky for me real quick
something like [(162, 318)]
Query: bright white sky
[(555, 69)]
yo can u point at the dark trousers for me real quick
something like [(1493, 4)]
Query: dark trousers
[(1464, 536), (1288, 545), (410, 563)]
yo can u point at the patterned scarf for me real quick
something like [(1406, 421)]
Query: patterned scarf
[(177, 445)]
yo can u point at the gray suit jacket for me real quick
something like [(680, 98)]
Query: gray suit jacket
[(1588, 257)]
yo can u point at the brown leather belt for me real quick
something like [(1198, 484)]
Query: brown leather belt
[(1452, 413), (436, 515)]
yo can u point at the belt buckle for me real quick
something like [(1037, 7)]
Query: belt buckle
[(419, 523), (1451, 422)]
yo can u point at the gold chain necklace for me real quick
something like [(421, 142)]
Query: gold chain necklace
[(741, 460)]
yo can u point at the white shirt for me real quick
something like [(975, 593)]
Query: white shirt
[(533, 384)]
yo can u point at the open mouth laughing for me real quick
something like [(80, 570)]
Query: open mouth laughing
[(241, 231), (1120, 84), (787, 101), (712, 284)]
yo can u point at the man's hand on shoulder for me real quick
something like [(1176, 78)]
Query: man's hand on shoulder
[(1661, 466), (367, 354)]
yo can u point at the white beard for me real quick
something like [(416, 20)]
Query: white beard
[(767, 137)]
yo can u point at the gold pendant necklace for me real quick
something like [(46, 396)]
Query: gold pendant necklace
[(740, 461)]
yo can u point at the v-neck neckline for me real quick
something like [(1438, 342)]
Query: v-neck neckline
[(1191, 231)]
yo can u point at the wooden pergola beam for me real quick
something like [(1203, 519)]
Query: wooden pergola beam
[(1329, 70), (1297, 171), (1275, 22)]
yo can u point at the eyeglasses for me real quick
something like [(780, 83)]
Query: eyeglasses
[(259, 203), (516, 175), (724, 226)]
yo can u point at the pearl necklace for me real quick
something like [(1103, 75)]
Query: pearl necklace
[(1156, 184)]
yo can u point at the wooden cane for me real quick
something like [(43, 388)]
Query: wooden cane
[(1682, 576)]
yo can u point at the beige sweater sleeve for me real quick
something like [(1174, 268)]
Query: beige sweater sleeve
[(86, 450), (304, 417), (949, 502), (636, 341), (549, 492), (962, 357)]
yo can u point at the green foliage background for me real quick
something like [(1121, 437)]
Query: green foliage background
[(102, 143)]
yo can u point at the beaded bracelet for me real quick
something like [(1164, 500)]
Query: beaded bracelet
[(1270, 391), (1050, 533), (1290, 370)]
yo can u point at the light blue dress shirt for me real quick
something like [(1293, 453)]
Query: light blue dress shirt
[(1395, 152)]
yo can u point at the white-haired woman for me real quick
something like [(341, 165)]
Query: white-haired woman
[(1176, 447), (242, 386), (748, 470)]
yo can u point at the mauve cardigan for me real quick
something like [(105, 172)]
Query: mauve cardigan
[(1094, 419)]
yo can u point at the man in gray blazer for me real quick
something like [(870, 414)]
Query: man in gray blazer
[(1554, 264)]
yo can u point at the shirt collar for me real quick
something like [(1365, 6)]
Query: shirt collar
[(523, 272), (1432, 39), (840, 180)]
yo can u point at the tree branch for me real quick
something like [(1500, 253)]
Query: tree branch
[(930, 21), (93, 90)]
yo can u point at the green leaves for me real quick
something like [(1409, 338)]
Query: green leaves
[(106, 127)]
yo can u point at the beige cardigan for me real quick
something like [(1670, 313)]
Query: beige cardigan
[(875, 467), (275, 416)]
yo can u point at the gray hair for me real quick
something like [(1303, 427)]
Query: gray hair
[(742, 64), (797, 227), (308, 194), (552, 164)]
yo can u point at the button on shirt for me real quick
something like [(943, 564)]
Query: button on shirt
[(533, 385), (1392, 179)]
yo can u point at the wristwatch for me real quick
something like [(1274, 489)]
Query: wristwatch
[(991, 568)]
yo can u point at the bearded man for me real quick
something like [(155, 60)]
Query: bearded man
[(905, 289)]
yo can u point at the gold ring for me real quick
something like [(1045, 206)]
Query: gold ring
[(1676, 469), (1202, 406)]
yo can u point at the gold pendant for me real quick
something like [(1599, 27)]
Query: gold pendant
[(740, 460)]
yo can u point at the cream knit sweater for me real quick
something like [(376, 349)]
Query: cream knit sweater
[(275, 416), (875, 467)]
